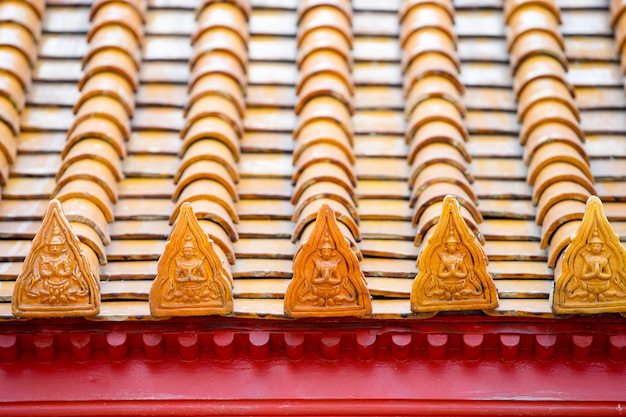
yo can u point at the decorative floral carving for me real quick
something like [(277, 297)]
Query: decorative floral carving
[(592, 275), (191, 280), (453, 268), (56, 279), (327, 279)]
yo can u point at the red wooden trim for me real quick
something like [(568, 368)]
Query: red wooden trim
[(347, 407)]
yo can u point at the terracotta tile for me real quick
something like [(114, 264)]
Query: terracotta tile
[(374, 145), (158, 118), (13, 35), (139, 5), (535, 67), (266, 248), (108, 84), (106, 108), (117, 13), (135, 250), (377, 75), (87, 190), (214, 128), (29, 188), (617, 8), (376, 24), (552, 132), (323, 171), (324, 16), (143, 209), (151, 166), (431, 64), (586, 22), (430, 216), (83, 211), (96, 150), (273, 22), (603, 122), (217, 62), (382, 229), (213, 106), (427, 16), (145, 187), (323, 153), (589, 98), (114, 37), (436, 193), (11, 88), (407, 5), (306, 6), (212, 217), (481, 74), (482, 49), (559, 191), (220, 39), (4, 169), (545, 89), (323, 38), (431, 87), (22, 14), (439, 173), (426, 41), (309, 214), (204, 169), (223, 15), (435, 109), (532, 43), (263, 209), (559, 214), (112, 60), (533, 17), (210, 150), (219, 84), (9, 115), (265, 166), (324, 62), (16, 64), (325, 85), (244, 5), (323, 131), (96, 127), (219, 236), (511, 230), (325, 108), (556, 152), (496, 146), (547, 111), (439, 153), (89, 170), (595, 48), (382, 189), (268, 188), (516, 6), (596, 74), (436, 132), (557, 172), (560, 239), (327, 191)]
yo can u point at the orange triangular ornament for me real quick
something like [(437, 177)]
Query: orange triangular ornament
[(591, 278), (56, 279), (453, 268), (327, 279), (191, 279)]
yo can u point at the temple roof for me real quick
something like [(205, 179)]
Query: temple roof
[(256, 112)]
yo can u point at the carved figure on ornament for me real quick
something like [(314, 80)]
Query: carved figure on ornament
[(56, 280), (591, 277), (452, 268), (191, 279), (327, 279)]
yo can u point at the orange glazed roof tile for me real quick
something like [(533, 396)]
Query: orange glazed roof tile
[(252, 115)]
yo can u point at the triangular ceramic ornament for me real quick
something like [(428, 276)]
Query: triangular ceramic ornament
[(453, 268), (191, 280), (327, 279), (56, 279), (591, 276)]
